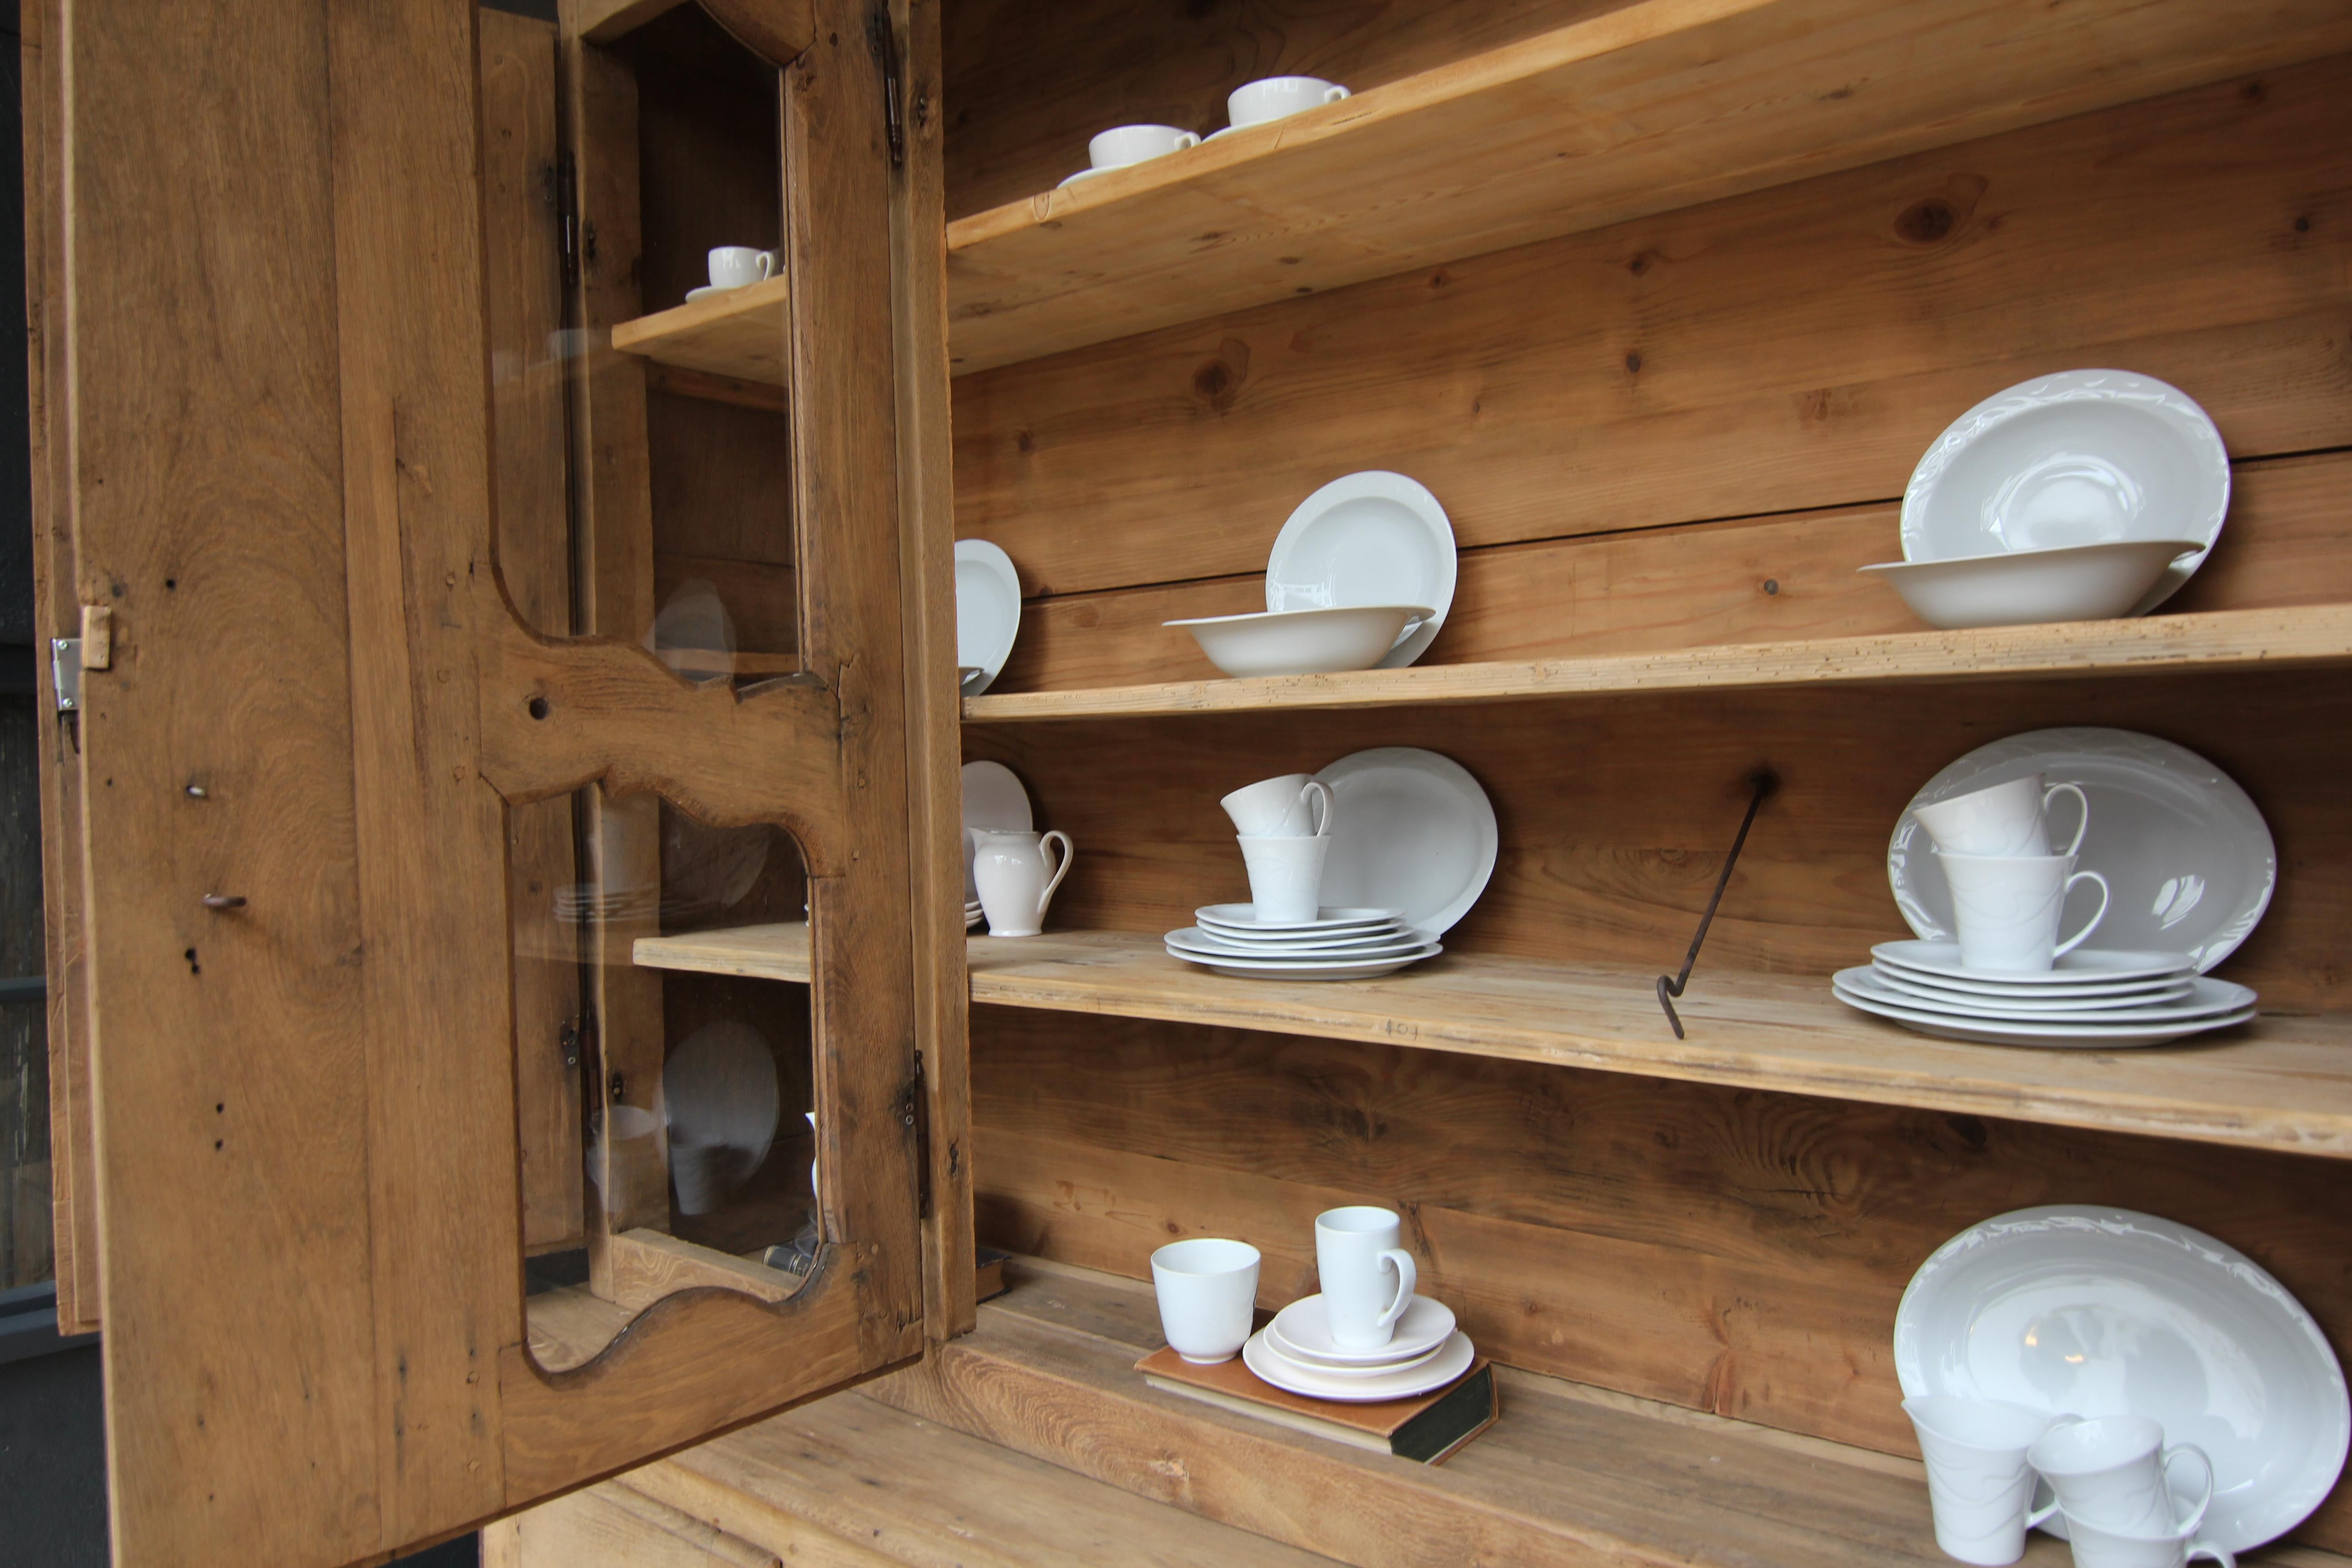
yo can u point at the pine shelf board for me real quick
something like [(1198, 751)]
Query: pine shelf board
[(2282, 1083), (2219, 639), (738, 334), (1650, 107)]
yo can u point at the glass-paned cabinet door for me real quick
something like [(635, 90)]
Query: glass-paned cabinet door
[(487, 648)]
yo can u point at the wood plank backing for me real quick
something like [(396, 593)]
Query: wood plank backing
[(1785, 352)]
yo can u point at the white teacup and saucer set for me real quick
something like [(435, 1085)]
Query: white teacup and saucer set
[(1258, 102), (734, 267)]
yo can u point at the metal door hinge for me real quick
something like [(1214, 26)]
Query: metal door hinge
[(884, 43), (915, 1114), (65, 672), (566, 176), (571, 1038)]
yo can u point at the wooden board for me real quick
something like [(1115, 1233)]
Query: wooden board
[(647, 1265), (610, 1526), (1657, 105), (739, 333)]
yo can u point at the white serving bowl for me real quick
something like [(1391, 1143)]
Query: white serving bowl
[(2084, 583), (1303, 642)]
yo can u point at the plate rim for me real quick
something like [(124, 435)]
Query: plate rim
[(1908, 984), (2216, 1009), (2121, 1038), (990, 555), (1368, 952), (1454, 1322), (1376, 917), (1346, 1394), (2146, 974), (1408, 492), (1444, 768)]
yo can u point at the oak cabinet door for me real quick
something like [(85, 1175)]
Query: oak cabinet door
[(343, 760)]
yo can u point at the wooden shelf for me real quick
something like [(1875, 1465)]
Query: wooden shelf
[(2223, 639), (2280, 1083), (738, 334), (1653, 106)]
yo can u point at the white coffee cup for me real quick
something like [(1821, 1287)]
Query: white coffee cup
[(2008, 908), (736, 265), (1273, 97), (2097, 1548), (1367, 1278), (2003, 819), (1123, 144), (2115, 1473), (1286, 877), (1280, 808), (1014, 888), (1978, 1483), (1208, 1292)]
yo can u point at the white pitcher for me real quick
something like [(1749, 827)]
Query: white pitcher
[(1010, 869)]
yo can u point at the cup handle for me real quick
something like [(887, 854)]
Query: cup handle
[(1334, 94), (2036, 1518), (1060, 871), (2082, 823), (1189, 139), (2071, 943), (2217, 1553), (2196, 1516), (1313, 789), (767, 264), (1406, 1280)]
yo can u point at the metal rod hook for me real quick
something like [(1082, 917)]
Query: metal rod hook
[(1765, 782)]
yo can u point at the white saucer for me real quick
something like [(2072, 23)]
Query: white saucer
[(1312, 943), (1276, 1344), (2050, 1032), (1243, 918), (1193, 941), (1082, 175), (1412, 831), (1372, 538), (2206, 1000), (1306, 969), (707, 289), (1452, 1362), (1927, 994), (988, 610), (1306, 1335), (1941, 961)]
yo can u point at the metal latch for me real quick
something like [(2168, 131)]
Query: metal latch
[(65, 672)]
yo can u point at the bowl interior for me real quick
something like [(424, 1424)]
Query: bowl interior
[(2067, 474)]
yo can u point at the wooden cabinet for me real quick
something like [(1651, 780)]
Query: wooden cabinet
[(525, 643)]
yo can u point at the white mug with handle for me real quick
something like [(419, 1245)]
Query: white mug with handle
[(2116, 1472), (2010, 818), (1015, 888), (2008, 909), (1284, 807), (1356, 1256)]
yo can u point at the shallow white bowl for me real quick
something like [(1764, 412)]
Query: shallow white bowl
[(1303, 642), (2080, 583)]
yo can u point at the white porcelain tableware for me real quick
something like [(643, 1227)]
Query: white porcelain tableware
[(1306, 969), (1371, 538), (1286, 875), (2009, 909), (1194, 942), (720, 1095), (1123, 146), (1978, 1484), (1367, 1278), (2188, 858), (988, 610), (1274, 1343), (739, 265), (2057, 1032), (1452, 1360), (993, 798), (2008, 818), (1082, 175), (2086, 457), (1293, 805), (1413, 833), (2097, 1548), (1208, 1296), (1273, 96), (1015, 884), (2078, 583), (2202, 997), (2097, 1311), (1243, 918), (2083, 971), (1302, 1331), (1304, 642), (2115, 1471)]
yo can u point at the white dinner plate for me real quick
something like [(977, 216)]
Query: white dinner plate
[(1451, 1361), (1303, 1333), (1927, 994), (2086, 457), (993, 799), (1410, 830), (1330, 917), (2188, 861), (1380, 935), (1373, 538), (2206, 1000), (2091, 1312), (1304, 968), (2050, 1033), (2083, 971), (719, 1090), (1083, 174), (1193, 940), (988, 611)]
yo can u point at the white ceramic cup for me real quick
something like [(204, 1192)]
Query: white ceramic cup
[(2008, 908), (2114, 1473), (2005, 819), (1208, 1290), (629, 1160), (1123, 144), (1015, 886), (1367, 1278), (2097, 1548), (1286, 877), (1281, 807), (736, 265), (1271, 98), (1977, 1481)]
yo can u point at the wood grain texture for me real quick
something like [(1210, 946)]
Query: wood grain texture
[(740, 333), (1659, 105), (609, 1526), (601, 21), (647, 1265), (1507, 384)]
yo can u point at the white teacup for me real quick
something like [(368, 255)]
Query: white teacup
[(1208, 1292), (1273, 97), (2097, 1548), (1123, 144), (2114, 1473), (1977, 1481), (1281, 807), (737, 266), (1015, 888), (2008, 908), (2004, 819), (1286, 877), (1367, 1279)]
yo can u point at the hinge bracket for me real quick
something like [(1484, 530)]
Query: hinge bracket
[(914, 1113), (884, 43), (65, 672), (567, 217)]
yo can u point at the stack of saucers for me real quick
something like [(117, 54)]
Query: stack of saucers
[(1297, 1352), (1337, 944), (972, 914), (2096, 998)]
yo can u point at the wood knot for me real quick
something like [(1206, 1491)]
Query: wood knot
[(1924, 223)]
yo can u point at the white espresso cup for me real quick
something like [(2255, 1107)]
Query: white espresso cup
[(2004, 819), (1367, 1278), (1281, 807), (736, 265), (1015, 886), (1286, 877), (1123, 144), (1978, 1483), (2115, 1473), (1208, 1293), (2097, 1548), (1273, 97), (2008, 908)]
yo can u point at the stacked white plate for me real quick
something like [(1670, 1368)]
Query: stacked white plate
[(1337, 944), (2093, 999), (973, 915), (1297, 1352)]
